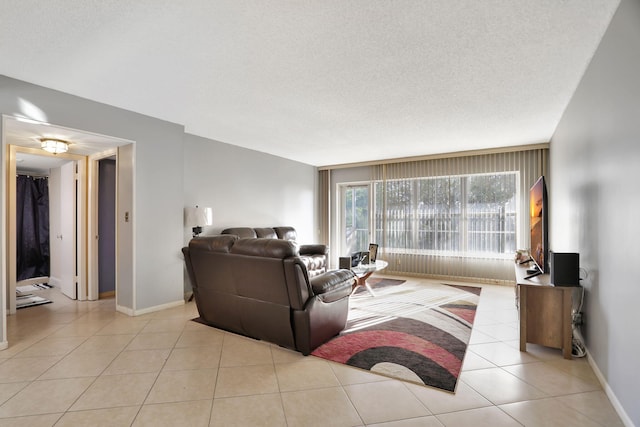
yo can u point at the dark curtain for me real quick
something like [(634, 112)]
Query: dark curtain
[(32, 227)]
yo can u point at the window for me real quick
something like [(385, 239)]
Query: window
[(464, 214)]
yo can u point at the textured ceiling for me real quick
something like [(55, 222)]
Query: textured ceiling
[(321, 82)]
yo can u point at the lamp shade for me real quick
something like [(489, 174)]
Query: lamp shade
[(197, 216)]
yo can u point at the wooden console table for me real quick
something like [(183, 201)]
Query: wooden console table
[(544, 311)]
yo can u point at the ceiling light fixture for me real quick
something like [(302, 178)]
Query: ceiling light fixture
[(55, 146)]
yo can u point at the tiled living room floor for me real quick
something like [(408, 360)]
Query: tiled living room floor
[(82, 364)]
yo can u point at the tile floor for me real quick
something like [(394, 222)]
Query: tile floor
[(82, 364)]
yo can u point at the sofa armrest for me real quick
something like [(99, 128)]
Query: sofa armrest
[(333, 285), (315, 249)]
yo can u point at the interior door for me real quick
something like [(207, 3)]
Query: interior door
[(63, 229)]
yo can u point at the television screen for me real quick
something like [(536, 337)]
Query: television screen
[(538, 207)]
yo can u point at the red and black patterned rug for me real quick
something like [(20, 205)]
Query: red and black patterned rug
[(409, 331)]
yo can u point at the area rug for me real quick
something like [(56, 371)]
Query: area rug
[(414, 332)]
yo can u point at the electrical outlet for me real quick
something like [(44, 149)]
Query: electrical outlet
[(577, 319)]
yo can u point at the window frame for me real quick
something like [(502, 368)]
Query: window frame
[(341, 210), (464, 220)]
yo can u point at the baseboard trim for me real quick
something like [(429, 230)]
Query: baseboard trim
[(610, 394), (159, 307), (108, 294), (124, 310), (4, 345), (130, 312)]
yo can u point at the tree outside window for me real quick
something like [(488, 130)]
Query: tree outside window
[(471, 214)]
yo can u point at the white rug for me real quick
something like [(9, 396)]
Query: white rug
[(32, 288), (30, 301)]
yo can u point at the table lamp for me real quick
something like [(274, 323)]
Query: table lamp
[(197, 217)]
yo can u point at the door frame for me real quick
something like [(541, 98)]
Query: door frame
[(81, 225), (340, 211), (125, 249)]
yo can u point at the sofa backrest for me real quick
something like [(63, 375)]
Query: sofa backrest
[(222, 243), (265, 247), (286, 233), (242, 232), (314, 256), (283, 232), (250, 285), (263, 269), (266, 233)]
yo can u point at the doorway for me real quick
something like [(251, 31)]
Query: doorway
[(24, 137), (103, 173), (68, 200), (355, 226)]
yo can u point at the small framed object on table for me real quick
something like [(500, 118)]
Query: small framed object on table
[(373, 252), (365, 258)]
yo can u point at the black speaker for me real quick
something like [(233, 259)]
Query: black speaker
[(565, 268), (345, 262)]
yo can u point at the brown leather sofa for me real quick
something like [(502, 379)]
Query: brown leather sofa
[(314, 256), (260, 288)]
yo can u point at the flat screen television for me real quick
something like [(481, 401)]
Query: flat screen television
[(539, 223)]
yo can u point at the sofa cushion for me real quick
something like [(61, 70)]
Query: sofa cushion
[(315, 264), (214, 243), (268, 248), (286, 233), (266, 232), (242, 232)]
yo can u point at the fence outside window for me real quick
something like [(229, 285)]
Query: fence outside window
[(463, 215)]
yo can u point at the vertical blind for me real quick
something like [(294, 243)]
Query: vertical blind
[(324, 205), (457, 217)]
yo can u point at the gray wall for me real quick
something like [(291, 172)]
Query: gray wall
[(249, 188), (171, 170), (595, 200), (246, 188), (157, 182)]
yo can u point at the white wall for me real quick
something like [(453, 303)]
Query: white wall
[(595, 200), (247, 188)]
